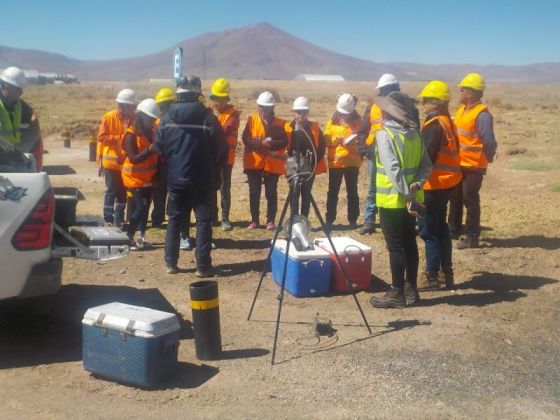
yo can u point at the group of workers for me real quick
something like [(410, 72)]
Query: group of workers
[(175, 152), (415, 169)]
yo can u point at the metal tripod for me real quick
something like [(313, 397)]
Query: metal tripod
[(297, 183)]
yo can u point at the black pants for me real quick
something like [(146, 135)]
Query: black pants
[(186, 223), (467, 193), (180, 200), (159, 197), (115, 197), (141, 198), (399, 230), (350, 176), (435, 231), (225, 191), (256, 177)]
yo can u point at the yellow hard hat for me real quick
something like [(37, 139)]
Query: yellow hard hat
[(474, 81), (220, 88), (165, 95), (436, 89)]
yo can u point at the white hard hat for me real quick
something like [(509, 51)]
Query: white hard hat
[(301, 104), (148, 107), (14, 76), (346, 103), (386, 80), (265, 99), (126, 96)]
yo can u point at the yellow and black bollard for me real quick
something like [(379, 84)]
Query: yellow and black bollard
[(206, 319), (92, 148)]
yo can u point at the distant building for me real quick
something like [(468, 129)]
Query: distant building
[(320, 77), (34, 77)]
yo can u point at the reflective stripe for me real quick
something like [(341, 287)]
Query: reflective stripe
[(467, 133), (139, 168), (173, 125), (201, 305), (376, 121), (391, 190), (24, 126), (443, 167), (472, 148), (110, 157)]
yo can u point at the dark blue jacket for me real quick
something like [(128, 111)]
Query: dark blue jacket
[(193, 145)]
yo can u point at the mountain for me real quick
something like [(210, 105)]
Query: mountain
[(262, 51)]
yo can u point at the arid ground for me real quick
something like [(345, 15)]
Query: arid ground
[(489, 349)]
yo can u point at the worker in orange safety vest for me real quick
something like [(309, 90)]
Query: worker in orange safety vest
[(229, 119), (111, 130), (305, 141), (442, 146), (264, 157), (343, 157), (139, 168), (475, 128)]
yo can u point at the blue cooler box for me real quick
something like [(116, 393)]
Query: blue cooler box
[(308, 272), (130, 344)]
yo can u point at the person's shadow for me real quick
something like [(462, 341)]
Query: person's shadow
[(498, 288), (528, 241)]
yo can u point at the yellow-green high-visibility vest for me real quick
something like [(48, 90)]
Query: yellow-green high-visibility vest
[(9, 130), (410, 152)]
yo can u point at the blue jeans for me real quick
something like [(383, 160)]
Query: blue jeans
[(115, 191), (179, 201), (139, 217), (370, 209), (435, 231)]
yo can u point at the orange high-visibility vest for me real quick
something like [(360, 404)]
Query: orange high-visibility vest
[(315, 133), (375, 120), (229, 119), (340, 156), (139, 175), (446, 170), (272, 161), (472, 151), (112, 128)]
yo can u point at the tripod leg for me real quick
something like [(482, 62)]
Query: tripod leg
[(346, 278), (266, 261), (294, 188)]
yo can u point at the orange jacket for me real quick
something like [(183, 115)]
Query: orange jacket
[(141, 174), (229, 119), (339, 155), (257, 154), (375, 120), (112, 127), (446, 170), (472, 152), (316, 132)]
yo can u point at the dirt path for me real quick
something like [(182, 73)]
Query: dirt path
[(489, 349)]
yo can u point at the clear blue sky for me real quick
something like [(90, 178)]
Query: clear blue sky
[(432, 32)]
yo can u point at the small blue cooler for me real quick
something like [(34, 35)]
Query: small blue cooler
[(308, 272), (130, 344)]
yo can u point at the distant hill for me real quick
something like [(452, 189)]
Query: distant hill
[(262, 51)]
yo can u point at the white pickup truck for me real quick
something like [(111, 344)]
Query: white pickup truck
[(32, 244)]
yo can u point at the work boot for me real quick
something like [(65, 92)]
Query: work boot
[(446, 278), (226, 226), (411, 295), (206, 272), (367, 228), (428, 281), (467, 242), (394, 298), (454, 234)]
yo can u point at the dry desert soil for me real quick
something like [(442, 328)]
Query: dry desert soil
[(489, 349)]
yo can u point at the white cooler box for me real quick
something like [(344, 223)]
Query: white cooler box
[(130, 344)]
